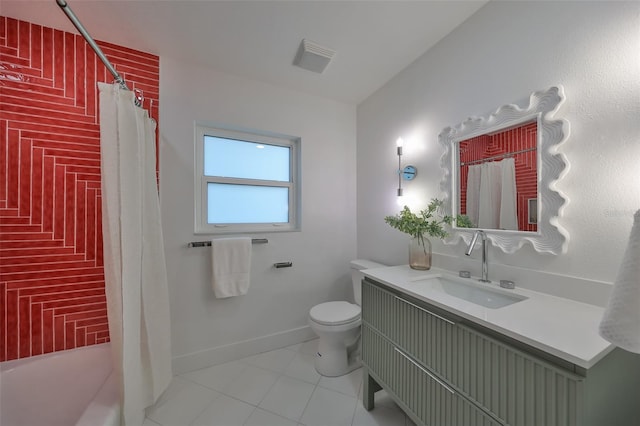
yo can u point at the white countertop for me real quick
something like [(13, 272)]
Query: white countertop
[(562, 327)]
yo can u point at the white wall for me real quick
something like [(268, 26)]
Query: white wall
[(204, 329), (500, 55)]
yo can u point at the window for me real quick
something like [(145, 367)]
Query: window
[(246, 181)]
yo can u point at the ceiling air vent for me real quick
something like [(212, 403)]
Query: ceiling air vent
[(313, 57)]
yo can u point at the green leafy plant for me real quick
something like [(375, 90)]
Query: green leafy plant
[(463, 221), (427, 221)]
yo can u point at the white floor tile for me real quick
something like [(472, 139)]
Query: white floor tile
[(310, 347), (181, 404), (388, 405), (175, 387), (261, 417), (251, 385), (381, 397), (381, 415), (295, 348), (225, 411), (277, 388), (329, 408), (288, 397), (218, 376), (277, 360), (302, 368), (348, 384)]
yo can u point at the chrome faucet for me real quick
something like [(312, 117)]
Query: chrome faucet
[(472, 244)]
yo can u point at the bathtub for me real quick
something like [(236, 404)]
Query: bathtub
[(68, 388)]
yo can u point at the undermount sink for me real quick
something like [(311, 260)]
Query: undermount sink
[(469, 290)]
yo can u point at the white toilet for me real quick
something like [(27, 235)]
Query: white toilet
[(337, 325)]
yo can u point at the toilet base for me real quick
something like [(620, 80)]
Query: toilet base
[(333, 360)]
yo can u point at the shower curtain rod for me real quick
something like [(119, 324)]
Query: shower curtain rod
[(91, 42), (495, 157)]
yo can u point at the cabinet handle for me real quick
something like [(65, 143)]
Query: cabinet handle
[(425, 371), (424, 310)]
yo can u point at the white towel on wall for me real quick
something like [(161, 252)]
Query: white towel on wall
[(508, 209), (231, 266), (620, 323)]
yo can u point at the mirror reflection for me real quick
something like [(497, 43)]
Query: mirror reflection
[(498, 179), (519, 146)]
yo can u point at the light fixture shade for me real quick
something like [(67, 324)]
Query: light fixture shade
[(313, 57)]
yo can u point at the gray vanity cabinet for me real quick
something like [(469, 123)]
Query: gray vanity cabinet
[(421, 393), (443, 371)]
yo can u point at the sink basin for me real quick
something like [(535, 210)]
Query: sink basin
[(469, 290)]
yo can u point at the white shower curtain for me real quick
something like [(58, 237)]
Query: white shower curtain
[(491, 195), (489, 198), (134, 263), (473, 193), (508, 208)]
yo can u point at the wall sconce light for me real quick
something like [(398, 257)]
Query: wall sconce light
[(408, 173)]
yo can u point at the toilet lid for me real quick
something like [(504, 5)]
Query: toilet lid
[(334, 313)]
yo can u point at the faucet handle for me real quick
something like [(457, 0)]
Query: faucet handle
[(507, 284)]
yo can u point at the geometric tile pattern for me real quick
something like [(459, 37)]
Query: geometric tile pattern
[(520, 138), (51, 267)]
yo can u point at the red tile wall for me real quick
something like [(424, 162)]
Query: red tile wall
[(51, 268), (511, 140)]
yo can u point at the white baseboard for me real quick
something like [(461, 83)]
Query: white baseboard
[(230, 352)]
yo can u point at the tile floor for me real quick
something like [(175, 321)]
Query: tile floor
[(277, 388)]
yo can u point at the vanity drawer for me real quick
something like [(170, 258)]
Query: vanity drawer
[(417, 330), (518, 388), (422, 394)]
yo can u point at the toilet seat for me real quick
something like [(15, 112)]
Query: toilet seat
[(335, 313)]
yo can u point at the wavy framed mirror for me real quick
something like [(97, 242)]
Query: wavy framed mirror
[(499, 175)]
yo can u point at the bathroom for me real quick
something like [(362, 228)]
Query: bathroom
[(499, 55)]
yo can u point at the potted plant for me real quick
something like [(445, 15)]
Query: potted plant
[(426, 222)]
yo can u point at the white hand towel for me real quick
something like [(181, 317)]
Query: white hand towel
[(231, 266), (620, 323)]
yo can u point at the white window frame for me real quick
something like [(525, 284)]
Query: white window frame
[(201, 181)]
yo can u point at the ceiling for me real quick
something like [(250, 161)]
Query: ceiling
[(373, 40)]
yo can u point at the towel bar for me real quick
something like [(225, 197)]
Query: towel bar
[(208, 243)]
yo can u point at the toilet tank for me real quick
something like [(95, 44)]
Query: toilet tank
[(357, 266)]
